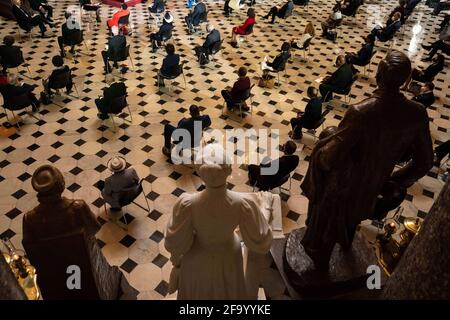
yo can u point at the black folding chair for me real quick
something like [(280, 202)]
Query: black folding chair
[(116, 107)]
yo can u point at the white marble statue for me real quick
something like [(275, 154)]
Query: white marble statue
[(206, 251)]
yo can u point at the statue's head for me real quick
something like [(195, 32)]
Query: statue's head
[(393, 71), (48, 182), (213, 165)]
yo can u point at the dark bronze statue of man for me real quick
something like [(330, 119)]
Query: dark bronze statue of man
[(349, 168)]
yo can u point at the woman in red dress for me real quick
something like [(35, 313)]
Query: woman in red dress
[(243, 29)]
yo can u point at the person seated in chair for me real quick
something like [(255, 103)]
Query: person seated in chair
[(164, 32), (350, 7), (285, 164), (440, 152), (387, 33), (240, 87), (9, 52), (68, 30), (87, 5), (116, 44), (442, 44), (279, 63), (426, 95), (170, 66), (401, 9), (244, 28), (362, 57), (430, 72), (60, 68), (312, 114), (43, 7), (333, 20), (157, 6), (339, 80), (194, 17), (114, 21), (410, 6), (27, 16), (189, 124), (212, 39), (308, 34), (114, 90), (122, 186), (14, 89), (282, 13)]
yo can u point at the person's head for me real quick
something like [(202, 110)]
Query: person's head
[(8, 41), (48, 182), (117, 164), (194, 110), (312, 92), (289, 147), (396, 16), (427, 86), (168, 18), (115, 30), (251, 13), (285, 46), (17, 2), (209, 27), (124, 6), (328, 131), (213, 165), (242, 72), (310, 29), (67, 14), (170, 48), (393, 71), (370, 38), (58, 61), (109, 78), (13, 79), (340, 60)]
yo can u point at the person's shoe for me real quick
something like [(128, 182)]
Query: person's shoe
[(426, 47), (234, 44), (166, 151), (102, 116)]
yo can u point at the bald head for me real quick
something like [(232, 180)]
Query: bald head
[(393, 71)]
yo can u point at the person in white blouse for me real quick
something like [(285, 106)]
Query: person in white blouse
[(309, 33), (205, 249)]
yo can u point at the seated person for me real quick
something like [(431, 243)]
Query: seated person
[(286, 164), (441, 5), (441, 44), (244, 28), (279, 63), (116, 44), (230, 4), (427, 75), (410, 6), (189, 125), (8, 52), (333, 20), (236, 94), (164, 32), (87, 5), (170, 66), (114, 21), (309, 33), (194, 17), (350, 7), (283, 12), (27, 16), (401, 9), (440, 152), (312, 114), (14, 89), (42, 6), (387, 33), (122, 186), (426, 95), (190, 4), (362, 57), (157, 6), (114, 90), (68, 30), (211, 39), (60, 68), (339, 80)]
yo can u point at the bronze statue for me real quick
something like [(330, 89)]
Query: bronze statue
[(349, 168)]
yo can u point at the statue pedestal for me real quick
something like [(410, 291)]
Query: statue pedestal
[(347, 270)]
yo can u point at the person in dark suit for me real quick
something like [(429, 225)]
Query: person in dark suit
[(14, 89), (312, 114), (115, 47), (60, 68), (157, 6), (42, 6), (194, 17), (426, 95), (164, 32), (401, 9), (387, 33), (26, 17), (410, 6), (440, 152), (113, 91), (441, 44), (280, 60), (170, 66), (282, 13), (189, 124), (339, 80), (9, 52), (429, 73), (362, 57), (333, 20), (285, 164), (236, 94), (87, 5), (350, 7), (212, 38), (69, 29)]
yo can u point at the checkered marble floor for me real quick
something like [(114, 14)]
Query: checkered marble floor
[(70, 136)]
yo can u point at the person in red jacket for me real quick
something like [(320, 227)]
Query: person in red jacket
[(114, 21), (243, 29)]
